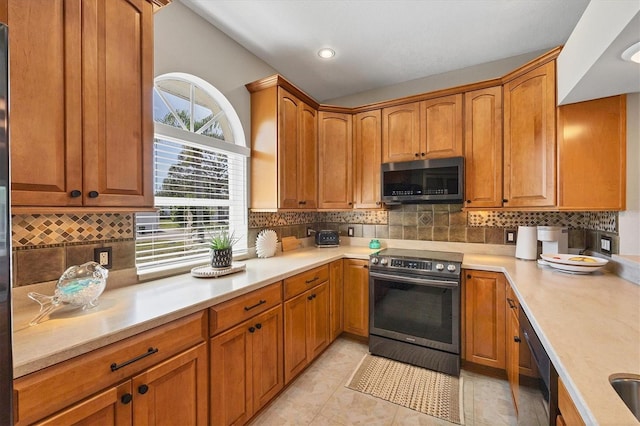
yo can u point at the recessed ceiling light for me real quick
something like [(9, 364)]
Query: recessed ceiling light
[(632, 53), (326, 53)]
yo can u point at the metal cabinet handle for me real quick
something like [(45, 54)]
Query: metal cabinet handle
[(251, 329), (93, 194), (261, 302), (142, 389), (75, 193), (312, 280), (126, 398), (512, 305), (258, 326), (517, 339), (150, 351)]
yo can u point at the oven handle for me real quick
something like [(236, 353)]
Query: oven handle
[(419, 281)]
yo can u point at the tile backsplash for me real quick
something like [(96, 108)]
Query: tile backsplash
[(44, 245)]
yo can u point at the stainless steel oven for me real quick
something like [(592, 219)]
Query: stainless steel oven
[(414, 307)]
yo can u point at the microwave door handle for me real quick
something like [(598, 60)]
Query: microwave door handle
[(419, 281)]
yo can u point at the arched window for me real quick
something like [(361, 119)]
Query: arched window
[(200, 175)]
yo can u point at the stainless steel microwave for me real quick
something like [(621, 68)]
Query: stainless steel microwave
[(439, 180)]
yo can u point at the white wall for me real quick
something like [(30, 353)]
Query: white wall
[(474, 74), (629, 220), (184, 42)]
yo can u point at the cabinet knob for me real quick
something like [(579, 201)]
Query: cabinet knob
[(417, 155), (468, 276), (93, 194), (378, 203), (517, 339), (142, 389), (310, 297), (252, 329), (258, 326), (75, 193), (423, 154), (504, 200), (126, 398), (468, 201)]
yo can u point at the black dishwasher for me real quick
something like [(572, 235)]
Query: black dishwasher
[(537, 398)]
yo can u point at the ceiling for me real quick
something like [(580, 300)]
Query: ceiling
[(384, 42)]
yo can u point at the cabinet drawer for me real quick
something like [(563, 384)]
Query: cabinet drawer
[(304, 281), (227, 314), (79, 377)]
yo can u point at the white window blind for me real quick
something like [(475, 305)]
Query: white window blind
[(198, 191), (200, 176)]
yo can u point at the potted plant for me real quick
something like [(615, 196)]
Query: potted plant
[(222, 249)]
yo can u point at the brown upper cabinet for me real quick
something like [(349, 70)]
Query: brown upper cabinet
[(422, 130), (592, 154), (441, 127), (335, 152), (401, 132), (87, 124), (483, 147), (367, 146), (284, 129), (530, 138)]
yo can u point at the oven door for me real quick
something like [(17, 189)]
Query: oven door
[(419, 310)]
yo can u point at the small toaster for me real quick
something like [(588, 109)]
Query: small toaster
[(326, 238)]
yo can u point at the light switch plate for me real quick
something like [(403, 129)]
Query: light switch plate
[(350, 231), (605, 244)]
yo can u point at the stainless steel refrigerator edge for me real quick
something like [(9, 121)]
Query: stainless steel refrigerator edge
[(6, 359)]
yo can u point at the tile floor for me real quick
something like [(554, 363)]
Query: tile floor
[(318, 397)]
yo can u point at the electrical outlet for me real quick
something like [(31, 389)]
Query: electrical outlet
[(350, 231), (605, 244), (510, 236), (102, 256)]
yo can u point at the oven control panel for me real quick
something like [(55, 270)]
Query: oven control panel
[(383, 262)]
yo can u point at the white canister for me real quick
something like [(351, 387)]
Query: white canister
[(527, 243)]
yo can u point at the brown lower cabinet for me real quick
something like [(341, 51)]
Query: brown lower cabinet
[(246, 368), (306, 319), (336, 292), (484, 318), (356, 297), (569, 415), (116, 385)]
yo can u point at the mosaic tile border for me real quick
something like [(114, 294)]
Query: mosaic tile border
[(51, 229), (599, 221)]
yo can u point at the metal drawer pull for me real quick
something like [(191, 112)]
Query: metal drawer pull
[(150, 351), (511, 303), (261, 302), (312, 280)]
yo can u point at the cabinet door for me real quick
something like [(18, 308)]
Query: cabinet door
[(356, 297), (367, 147), (485, 318), (230, 376), (335, 186), (336, 289), (295, 336), (111, 407), (441, 127), (117, 116), (175, 391), (483, 147), (45, 103), (288, 136), (267, 357), (308, 158), (512, 355), (592, 161), (318, 331), (401, 133), (530, 138)]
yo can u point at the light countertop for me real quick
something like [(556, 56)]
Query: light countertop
[(588, 324)]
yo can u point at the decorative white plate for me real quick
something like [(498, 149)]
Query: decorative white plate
[(208, 272), (266, 243), (577, 264)]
